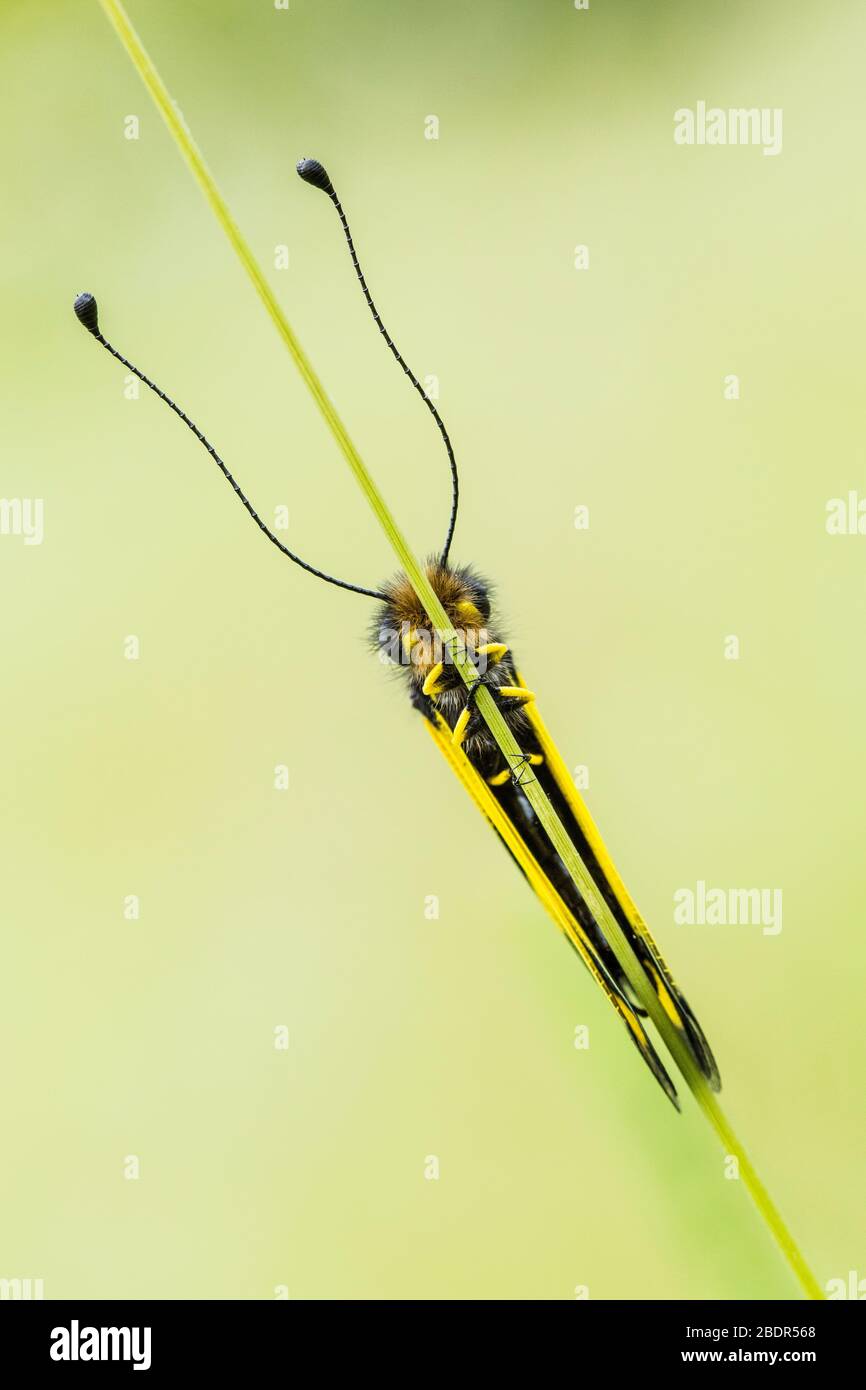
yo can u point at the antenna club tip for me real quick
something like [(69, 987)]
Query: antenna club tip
[(311, 171), (86, 312)]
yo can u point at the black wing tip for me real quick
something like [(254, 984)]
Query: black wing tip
[(655, 1064), (699, 1047), (662, 1077)]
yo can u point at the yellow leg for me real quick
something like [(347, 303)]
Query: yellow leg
[(500, 778), (494, 651), (431, 685), (515, 692), (461, 726)]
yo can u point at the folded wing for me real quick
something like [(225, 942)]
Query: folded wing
[(512, 833)]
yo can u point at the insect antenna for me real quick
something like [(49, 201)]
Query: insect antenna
[(87, 313), (311, 171)]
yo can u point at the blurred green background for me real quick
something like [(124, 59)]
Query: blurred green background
[(305, 908)]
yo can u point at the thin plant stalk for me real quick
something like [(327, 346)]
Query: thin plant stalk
[(452, 640)]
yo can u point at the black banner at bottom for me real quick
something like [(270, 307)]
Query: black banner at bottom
[(157, 1338)]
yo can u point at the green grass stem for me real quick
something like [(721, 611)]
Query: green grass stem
[(486, 705)]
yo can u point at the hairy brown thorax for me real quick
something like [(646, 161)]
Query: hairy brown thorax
[(404, 631), (405, 638)]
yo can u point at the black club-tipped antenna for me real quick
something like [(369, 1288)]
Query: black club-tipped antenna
[(87, 313), (312, 172)]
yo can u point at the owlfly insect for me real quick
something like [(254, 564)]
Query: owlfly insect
[(401, 632)]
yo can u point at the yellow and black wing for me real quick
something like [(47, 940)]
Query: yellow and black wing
[(587, 840), (488, 802)]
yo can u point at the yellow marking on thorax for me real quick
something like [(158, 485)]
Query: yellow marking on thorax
[(469, 613)]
